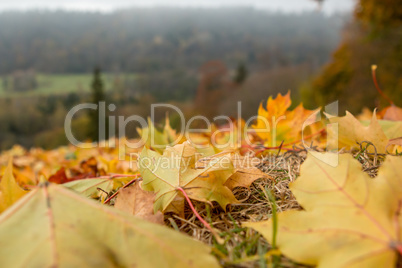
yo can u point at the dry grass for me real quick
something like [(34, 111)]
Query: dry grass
[(243, 247)]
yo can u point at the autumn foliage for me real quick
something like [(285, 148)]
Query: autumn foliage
[(80, 206)]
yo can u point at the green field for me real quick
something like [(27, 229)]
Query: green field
[(59, 84)]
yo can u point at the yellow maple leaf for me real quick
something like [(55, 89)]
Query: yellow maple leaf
[(350, 132), (55, 227), (158, 140), (350, 219), (276, 123), (10, 191), (181, 166)]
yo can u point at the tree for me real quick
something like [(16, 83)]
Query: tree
[(373, 37), (98, 96), (241, 74)]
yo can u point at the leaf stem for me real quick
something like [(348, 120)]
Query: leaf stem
[(399, 248), (117, 192), (373, 69), (206, 224)]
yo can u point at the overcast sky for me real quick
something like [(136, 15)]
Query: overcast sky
[(109, 5)]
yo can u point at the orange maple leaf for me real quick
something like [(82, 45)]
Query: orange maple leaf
[(276, 123)]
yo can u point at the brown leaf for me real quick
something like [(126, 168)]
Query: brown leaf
[(177, 206), (138, 202), (59, 177), (245, 177), (393, 113), (87, 169), (90, 166), (246, 172)]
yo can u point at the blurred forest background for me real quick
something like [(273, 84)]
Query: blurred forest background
[(201, 60)]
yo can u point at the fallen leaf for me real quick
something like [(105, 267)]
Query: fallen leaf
[(90, 166), (210, 186), (157, 140), (59, 177), (391, 129), (176, 206), (244, 178), (349, 131), (63, 229), (393, 113), (366, 115), (229, 136), (171, 134), (350, 219), (138, 202), (396, 141), (163, 174), (10, 191), (96, 187), (276, 123), (246, 172)]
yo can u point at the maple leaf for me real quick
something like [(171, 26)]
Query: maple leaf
[(156, 139), (350, 219), (351, 131), (87, 169), (63, 229), (230, 136), (97, 187), (59, 177), (10, 191), (177, 167), (276, 124), (366, 115), (393, 113), (246, 172), (138, 202)]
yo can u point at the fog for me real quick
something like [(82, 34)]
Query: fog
[(328, 6)]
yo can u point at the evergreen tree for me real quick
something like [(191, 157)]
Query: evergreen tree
[(241, 74), (98, 96)]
